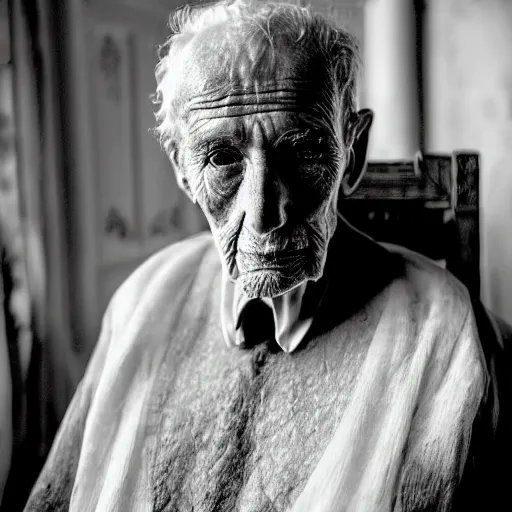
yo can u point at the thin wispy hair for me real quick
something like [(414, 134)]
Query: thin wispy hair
[(298, 24)]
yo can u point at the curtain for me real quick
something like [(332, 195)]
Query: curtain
[(5, 397), (42, 391), (15, 322)]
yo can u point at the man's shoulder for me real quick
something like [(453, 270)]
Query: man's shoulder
[(431, 285), (439, 311), (167, 271), (147, 310)]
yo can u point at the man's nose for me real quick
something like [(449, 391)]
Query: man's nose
[(266, 199)]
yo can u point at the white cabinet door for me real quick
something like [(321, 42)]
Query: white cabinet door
[(125, 201)]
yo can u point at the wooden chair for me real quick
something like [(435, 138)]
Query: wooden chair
[(429, 204)]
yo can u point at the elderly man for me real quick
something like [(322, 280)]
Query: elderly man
[(284, 362)]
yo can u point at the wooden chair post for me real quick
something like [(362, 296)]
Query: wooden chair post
[(466, 167)]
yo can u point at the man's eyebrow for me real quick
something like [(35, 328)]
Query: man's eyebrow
[(204, 142), (298, 135), (205, 130)]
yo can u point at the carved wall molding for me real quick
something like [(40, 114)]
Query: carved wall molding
[(116, 225), (110, 63), (166, 221)]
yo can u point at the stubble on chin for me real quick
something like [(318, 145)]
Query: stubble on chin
[(269, 283)]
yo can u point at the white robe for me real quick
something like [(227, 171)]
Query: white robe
[(401, 426)]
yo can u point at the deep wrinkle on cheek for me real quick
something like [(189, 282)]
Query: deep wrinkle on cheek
[(190, 168), (214, 190), (214, 187), (221, 188)]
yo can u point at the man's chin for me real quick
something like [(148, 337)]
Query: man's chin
[(268, 283)]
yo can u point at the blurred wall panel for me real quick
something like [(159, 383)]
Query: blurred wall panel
[(112, 119), (124, 201), (468, 104)]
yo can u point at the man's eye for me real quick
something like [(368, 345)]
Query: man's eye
[(223, 158), (309, 156)]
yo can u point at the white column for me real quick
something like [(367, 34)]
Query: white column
[(390, 78)]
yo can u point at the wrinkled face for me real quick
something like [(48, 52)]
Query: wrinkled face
[(258, 152)]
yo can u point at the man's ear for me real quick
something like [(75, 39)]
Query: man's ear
[(356, 165), (178, 171)]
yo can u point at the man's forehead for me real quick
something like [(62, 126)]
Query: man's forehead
[(238, 66), (272, 128)]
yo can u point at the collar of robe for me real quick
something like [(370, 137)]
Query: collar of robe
[(292, 318), (293, 312)]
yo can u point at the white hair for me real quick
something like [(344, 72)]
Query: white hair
[(298, 23)]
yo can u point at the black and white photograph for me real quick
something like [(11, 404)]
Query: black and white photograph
[(255, 255)]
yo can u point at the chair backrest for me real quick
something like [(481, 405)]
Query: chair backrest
[(429, 204)]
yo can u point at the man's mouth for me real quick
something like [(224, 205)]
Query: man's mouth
[(275, 260)]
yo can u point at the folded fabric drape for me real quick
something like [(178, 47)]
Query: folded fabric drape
[(40, 373), (5, 397)]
